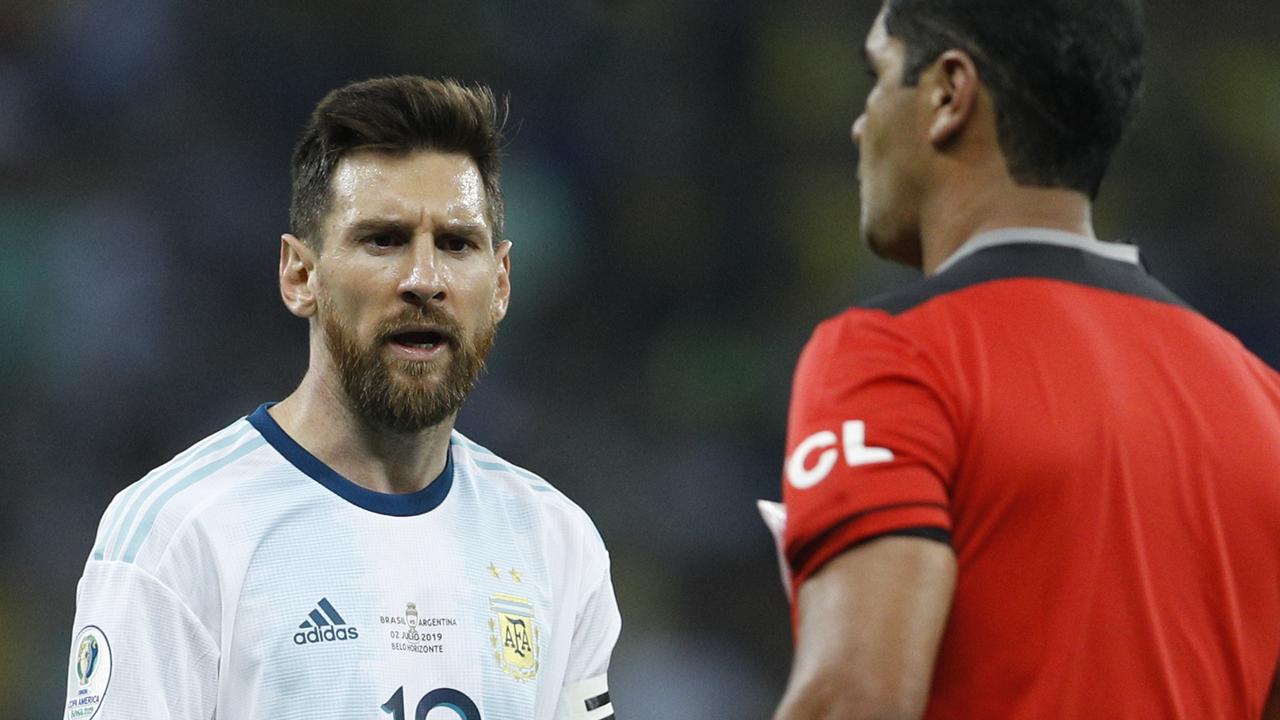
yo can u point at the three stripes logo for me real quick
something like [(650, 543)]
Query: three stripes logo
[(324, 624)]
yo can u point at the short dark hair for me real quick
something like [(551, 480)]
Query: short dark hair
[(395, 115), (1065, 75)]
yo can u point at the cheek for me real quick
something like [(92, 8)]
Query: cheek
[(475, 288), (348, 303), (485, 300), (889, 151), (878, 135), (359, 281)]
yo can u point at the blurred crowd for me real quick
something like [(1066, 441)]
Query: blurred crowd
[(682, 198)]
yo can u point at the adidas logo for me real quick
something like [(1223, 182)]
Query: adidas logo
[(324, 624)]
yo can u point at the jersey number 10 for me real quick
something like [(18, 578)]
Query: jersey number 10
[(440, 697)]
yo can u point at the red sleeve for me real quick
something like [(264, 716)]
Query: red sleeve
[(870, 442)]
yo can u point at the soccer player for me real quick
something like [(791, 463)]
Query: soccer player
[(345, 553), (1034, 484)]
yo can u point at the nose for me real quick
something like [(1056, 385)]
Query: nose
[(422, 280), (858, 126)]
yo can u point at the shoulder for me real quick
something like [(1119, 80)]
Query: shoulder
[(869, 365), (523, 487), (145, 518), (859, 339), (897, 320), (854, 329)]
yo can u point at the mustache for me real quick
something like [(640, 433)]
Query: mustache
[(427, 315)]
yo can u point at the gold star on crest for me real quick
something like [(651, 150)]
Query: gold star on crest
[(494, 570), (515, 575)]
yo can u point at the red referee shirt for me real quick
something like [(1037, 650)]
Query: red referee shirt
[(1104, 461)]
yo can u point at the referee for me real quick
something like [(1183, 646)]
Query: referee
[(1034, 484)]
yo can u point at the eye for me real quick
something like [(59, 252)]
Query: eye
[(382, 240), (454, 243)]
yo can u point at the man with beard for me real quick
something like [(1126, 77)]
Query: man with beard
[(1034, 484), (345, 552)]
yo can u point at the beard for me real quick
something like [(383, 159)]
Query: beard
[(406, 396)]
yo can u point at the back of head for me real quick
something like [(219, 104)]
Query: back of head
[(1065, 75), (395, 115)]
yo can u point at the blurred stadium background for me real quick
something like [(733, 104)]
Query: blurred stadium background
[(681, 194)]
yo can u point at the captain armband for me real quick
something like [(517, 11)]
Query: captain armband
[(589, 699)]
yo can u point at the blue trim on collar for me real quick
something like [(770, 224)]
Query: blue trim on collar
[(414, 503)]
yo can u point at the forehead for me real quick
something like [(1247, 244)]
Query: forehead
[(375, 184), (879, 46)]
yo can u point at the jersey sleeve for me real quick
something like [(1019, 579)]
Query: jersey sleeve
[(586, 689), (138, 651), (870, 443)]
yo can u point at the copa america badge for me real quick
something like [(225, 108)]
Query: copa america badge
[(89, 674)]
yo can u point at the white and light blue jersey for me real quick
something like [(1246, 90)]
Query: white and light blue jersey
[(247, 579)]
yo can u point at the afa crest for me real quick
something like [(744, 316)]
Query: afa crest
[(514, 635)]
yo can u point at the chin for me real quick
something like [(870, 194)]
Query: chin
[(901, 248)]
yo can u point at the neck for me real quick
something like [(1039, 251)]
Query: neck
[(978, 207), (319, 417)]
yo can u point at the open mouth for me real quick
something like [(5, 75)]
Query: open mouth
[(420, 339)]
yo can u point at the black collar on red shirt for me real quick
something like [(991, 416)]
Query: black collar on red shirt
[(1029, 259)]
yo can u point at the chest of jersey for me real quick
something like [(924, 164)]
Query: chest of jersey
[(352, 614)]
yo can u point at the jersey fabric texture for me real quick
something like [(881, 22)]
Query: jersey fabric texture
[(1104, 461), (247, 579)]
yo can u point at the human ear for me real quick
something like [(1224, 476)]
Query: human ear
[(297, 272), (953, 97), (502, 297)]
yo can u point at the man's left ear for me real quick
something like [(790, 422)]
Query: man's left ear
[(502, 297), (954, 95)]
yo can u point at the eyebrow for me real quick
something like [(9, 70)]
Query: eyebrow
[(375, 224), (455, 227), (463, 227)]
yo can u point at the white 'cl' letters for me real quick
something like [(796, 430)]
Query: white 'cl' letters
[(856, 453)]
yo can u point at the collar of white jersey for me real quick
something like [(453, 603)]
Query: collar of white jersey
[(400, 505), (1042, 236)]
